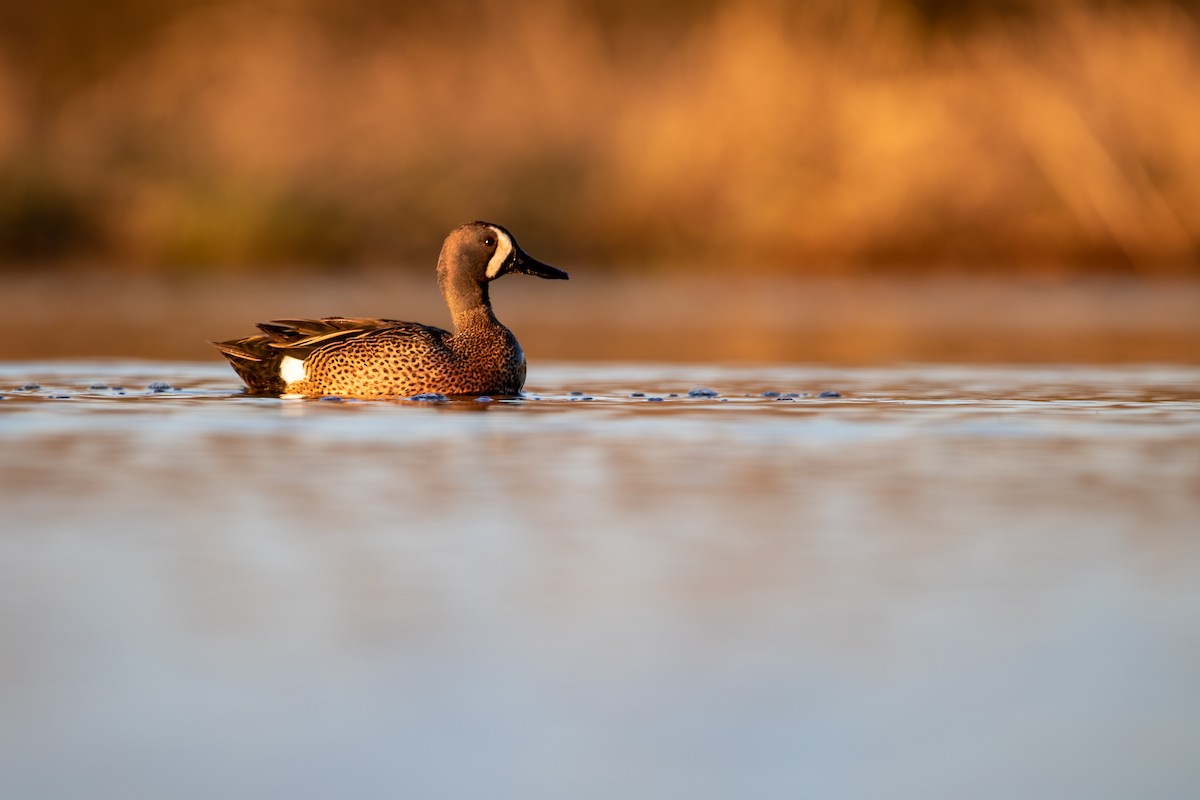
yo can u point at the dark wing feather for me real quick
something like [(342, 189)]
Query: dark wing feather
[(254, 362), (299, 337)]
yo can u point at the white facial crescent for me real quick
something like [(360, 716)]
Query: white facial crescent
[(504, 248)]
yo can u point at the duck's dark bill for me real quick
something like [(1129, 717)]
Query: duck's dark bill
[(531, 266)]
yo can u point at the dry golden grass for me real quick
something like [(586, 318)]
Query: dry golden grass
[(763, 136)]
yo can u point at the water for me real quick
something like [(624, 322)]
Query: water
[(947, 582)]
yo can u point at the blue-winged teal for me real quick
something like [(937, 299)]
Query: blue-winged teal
[(388, 358)]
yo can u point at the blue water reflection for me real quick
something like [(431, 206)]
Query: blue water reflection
[(947, 582)]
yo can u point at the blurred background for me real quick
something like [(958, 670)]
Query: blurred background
[(853, 182)]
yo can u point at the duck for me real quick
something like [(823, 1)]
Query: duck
[(377, 358)]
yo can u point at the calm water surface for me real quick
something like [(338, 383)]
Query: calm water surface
[(946, 582)]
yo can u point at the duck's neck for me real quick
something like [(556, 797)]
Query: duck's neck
[(468, 301)]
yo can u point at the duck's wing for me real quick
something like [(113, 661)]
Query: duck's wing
[(299, 337), (257, 358)]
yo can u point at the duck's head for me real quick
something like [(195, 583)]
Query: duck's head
[(484, 251)]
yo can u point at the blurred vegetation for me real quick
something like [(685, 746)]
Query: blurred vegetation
[(768, 135)]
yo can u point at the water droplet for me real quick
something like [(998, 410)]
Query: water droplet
[(159, 386), (700, 391), (830, 394)]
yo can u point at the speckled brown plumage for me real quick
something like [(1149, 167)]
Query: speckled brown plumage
[(359, 357)]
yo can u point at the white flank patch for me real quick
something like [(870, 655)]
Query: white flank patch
[(292, 370), (504, 248)]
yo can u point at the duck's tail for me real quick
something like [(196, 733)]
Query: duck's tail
[(255, 362)]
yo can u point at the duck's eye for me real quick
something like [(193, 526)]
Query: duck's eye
[(489, 241)]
